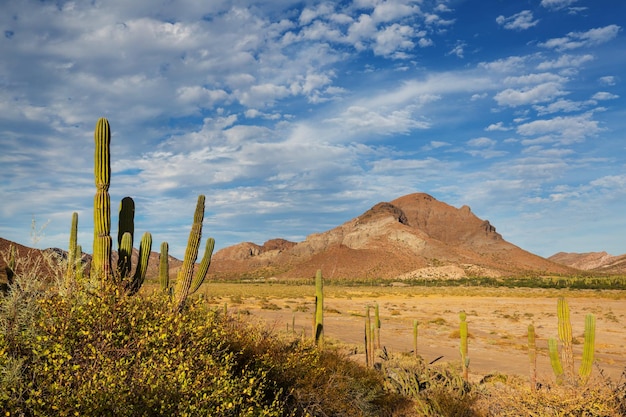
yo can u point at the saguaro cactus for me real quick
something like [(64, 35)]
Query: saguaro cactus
[(532, 356), (369, 345), (415, 334), (319, 308), (377, 325), (185, 275), (463, 347), (101, 261), (588, 349), (164, 268)]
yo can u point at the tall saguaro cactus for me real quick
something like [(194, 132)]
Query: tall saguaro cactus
[(101, 261), (185, 275)]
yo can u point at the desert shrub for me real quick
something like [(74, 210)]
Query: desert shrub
[(436, 390), (100, 352), (513, 397)]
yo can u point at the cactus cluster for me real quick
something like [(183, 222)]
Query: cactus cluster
[(563, 365), (102, 245)]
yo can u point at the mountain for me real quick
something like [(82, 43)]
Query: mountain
[(413, 236), (592, 261)]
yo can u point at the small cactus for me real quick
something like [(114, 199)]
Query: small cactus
[(463, 348), (415, 334), (319, 308), (532, 356)]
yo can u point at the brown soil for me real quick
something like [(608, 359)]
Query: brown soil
[(497, 326)]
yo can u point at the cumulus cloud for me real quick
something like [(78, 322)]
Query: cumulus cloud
[(575, 40), (564, 129), (519, 21)]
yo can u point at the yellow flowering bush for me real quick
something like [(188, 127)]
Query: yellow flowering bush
[(101, 352)]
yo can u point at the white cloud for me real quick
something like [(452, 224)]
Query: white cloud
[(557, 4), (505, 65), (567, 129), (497, 127), (562, 105), (530, 95), (481, 142), (564, 61), (545, 77), (608, 80), (575, 40), (519, 21), (603, 95)]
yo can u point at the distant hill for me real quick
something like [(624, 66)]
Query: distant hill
[(40, 259), (410, 237), (592, 261)]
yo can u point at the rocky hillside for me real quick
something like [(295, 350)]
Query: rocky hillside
[(592, 261), (412, 236)]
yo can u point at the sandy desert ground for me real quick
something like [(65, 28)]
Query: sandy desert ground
[(497, 318)]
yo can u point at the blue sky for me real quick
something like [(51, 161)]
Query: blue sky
[(293, 117)]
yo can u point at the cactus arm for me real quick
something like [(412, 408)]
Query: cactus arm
[(204, 266), (145, 246), (101, 262), (588, 349), (555, 360), (319, 308), (71, 252), (185, 275), (565, 335), (79, 262), (164, 268), (124, 256)]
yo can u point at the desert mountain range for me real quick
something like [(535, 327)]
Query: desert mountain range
[(414, 236)]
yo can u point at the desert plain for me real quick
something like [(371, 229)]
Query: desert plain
[(498, 320)]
